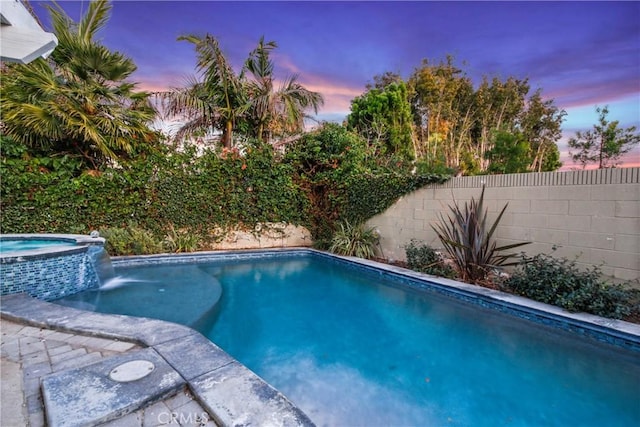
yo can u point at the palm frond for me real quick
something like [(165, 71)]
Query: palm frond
[(94, 20)]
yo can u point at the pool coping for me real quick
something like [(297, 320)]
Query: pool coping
[(229, 391)]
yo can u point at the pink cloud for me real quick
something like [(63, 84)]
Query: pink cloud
[(162, 82), (337, 94), (581, 94), (630, 160)]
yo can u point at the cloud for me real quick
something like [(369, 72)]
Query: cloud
[(160, 83), (337, 96), (337, 91)]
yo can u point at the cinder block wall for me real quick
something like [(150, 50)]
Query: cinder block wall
[(593, 215)]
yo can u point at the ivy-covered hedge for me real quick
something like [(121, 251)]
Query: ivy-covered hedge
[(326, 177), (346, 180), (179, 189), (371, 194)]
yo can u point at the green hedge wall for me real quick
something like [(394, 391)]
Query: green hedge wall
[(325, 177), (179, 189)]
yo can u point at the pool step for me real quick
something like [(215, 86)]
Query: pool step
[(109, 389)]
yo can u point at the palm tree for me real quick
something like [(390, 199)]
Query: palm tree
[(271, 110), (80, 101), (217, 101), (224, 100)]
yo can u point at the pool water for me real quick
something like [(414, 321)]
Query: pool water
[(7, 245), (351, 347)]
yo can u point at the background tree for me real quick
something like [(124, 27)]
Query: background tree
[(497, 106), (215, 101), (511, 153), (605, 144), (383, 117), (80, 102), (441, 98), (541, 125), (456, 123), (275, 112)]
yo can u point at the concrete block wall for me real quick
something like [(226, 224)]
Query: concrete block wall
[(593, 216)]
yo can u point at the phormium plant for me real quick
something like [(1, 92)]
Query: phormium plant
[(468, 240)]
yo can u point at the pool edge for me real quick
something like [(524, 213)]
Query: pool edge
[(621, 333)]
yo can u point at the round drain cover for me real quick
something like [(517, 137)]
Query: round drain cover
[(131, 371)]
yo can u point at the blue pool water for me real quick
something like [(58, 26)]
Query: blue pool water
[(8, 245), (351, 347)]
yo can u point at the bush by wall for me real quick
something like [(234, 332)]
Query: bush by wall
[(425, 259), (558, 281)]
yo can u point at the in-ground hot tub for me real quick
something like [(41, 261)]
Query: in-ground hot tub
[(49, 266)]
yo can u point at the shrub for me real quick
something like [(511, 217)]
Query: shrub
[(425, 259), (132, 240), (469, 241), (181, 240), (559, 282), (326, 176), (344, 181), (354, 241)]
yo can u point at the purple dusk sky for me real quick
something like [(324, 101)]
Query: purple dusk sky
[(581, 54)]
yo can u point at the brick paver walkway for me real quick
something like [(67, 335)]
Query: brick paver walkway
[(35, 352)]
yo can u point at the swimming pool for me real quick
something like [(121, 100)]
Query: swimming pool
[(352, 346)]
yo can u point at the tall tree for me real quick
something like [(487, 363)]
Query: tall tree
[(80, 102), (383, 118), (247, 101), (541, 125), (605, 144), (497, 106), (441, 96), (215, 101), (511, 153), (275, 111)]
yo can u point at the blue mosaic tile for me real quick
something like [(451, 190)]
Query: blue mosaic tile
[(49, 277), (599, 333)]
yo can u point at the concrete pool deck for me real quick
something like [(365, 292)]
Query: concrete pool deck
[(57, 360)]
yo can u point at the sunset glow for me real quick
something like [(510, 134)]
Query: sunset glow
[(581, 54)]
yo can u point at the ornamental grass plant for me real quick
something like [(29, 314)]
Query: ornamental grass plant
[(354, 240)]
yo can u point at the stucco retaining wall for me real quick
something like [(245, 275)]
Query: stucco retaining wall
[(592, 215), (268, 235)]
